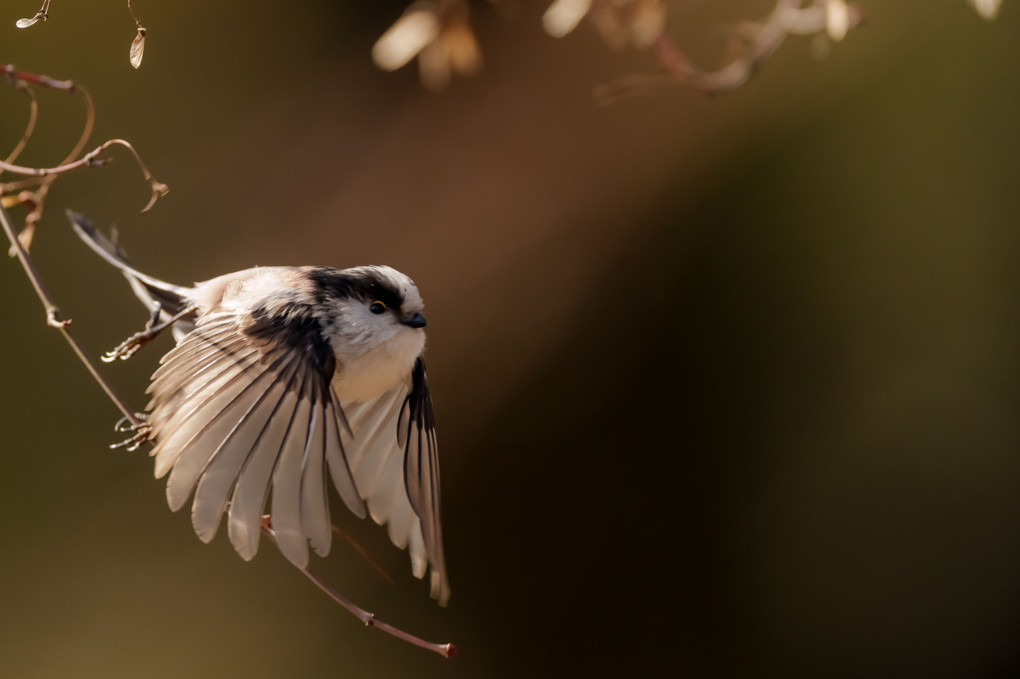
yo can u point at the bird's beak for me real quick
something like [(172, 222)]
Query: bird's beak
[(415, 321)]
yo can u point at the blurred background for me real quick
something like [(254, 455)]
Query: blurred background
[(726, 387)]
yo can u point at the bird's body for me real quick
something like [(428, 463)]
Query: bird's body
[(283, 377)]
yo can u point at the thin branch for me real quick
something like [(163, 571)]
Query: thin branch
[(33, 116), (86, 130), (131, 9), (55, 320), (364, 554), (788, 17), (37, 186), (36, 198), (447, 650), (90, 159), (36, 79)]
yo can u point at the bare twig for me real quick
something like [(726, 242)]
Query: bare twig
[(364, 554), (36, 198), (788, 17), (90, 159), (33, 116), (133, 15), (54, 319), (32, 191), (447, 650)]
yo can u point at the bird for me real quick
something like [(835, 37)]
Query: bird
[(282, 379)]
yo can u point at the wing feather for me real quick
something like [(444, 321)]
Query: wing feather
[(221, 472), (373, 423), (286, 505), (196, 436), (172, 380), (394, 457), (376, 446), (421, 475), (244, 519), (171, 389), (337, 460), (243, 411), (315, 519)]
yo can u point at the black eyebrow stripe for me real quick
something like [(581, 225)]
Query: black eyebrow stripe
[(357, 283)]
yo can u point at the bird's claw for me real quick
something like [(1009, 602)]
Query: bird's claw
[(128, 347), (140, 429)]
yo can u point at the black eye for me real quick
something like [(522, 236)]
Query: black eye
[(377, 307)]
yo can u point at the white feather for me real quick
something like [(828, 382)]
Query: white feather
[(286, 504), (190, 447), (315, 519), (244, 520), (224, 466)]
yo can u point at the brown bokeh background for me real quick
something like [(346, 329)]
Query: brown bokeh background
[(726, 387)]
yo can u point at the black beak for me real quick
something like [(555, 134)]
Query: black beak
[(415, 321)]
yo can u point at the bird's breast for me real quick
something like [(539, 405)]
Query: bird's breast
[(367, 375)]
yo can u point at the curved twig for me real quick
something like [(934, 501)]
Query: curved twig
[(447, 650), (55, 320), (90, 159), (788, 17), (33, 116)]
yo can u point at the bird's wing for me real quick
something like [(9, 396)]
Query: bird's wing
[(243, 405), (393, 456)]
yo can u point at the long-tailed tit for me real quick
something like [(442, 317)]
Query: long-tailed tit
[(280, 377)]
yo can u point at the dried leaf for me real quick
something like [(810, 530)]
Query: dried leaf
[(138, 48), (837, 19), (462, 48), (434, 67), (988, 9), (418, 27), (647, 22), (41, 14), (26, 236), (563, 16), (159, 189)]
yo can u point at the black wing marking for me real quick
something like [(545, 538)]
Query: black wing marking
[(241, 407), (416, 429)]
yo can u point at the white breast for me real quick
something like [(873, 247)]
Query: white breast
[(367, 375)]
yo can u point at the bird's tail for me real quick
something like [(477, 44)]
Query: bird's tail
[(155, 294)]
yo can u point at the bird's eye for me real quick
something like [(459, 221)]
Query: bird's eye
[(377, 307)]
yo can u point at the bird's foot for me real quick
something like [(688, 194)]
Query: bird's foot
[(128, 347), (140, 430)]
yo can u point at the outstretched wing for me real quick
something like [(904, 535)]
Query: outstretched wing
[(394, 459), (241, 406)]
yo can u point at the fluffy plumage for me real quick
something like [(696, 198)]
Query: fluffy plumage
[(284, 378)]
